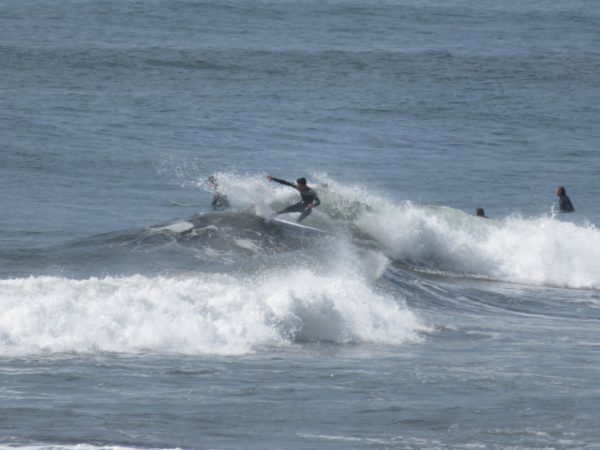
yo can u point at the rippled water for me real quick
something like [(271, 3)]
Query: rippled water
[(134, 315)]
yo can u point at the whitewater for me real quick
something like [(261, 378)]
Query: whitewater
[(135, 315)]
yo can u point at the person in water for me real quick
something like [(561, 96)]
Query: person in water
[(219, 200), (564, 202), (309, 197), (480, 212)]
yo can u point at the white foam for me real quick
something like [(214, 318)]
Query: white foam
[(542, 251), (247, 244), (195, 314)]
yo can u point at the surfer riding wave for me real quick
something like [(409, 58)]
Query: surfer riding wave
[(304, 206)]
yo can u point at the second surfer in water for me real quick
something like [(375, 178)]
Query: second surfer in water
[(220, 200), (309, 197), (564, 202)]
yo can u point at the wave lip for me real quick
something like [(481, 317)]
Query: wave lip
[(538, 251), (195, 314)]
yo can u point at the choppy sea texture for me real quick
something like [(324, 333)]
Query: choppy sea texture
[(132, 315)]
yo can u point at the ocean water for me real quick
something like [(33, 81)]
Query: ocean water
[(134, 315)]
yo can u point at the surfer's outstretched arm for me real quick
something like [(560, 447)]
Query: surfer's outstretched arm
[(280, 181)]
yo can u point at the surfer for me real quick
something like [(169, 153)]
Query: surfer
[(219, 200), (480, 212), (309, 197), (564, 202)]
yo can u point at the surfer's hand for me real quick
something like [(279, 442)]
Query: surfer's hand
[(269, 177)]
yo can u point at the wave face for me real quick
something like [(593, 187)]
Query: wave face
[(546, 250)]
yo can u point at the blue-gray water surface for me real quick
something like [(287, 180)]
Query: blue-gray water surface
[(134, 315)]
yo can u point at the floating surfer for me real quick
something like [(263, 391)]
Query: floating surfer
[(220, 200), (564, 202), (304, 206)]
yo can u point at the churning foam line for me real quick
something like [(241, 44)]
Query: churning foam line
[(196, 314)]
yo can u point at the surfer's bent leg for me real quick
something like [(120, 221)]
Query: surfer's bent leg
[(304, 214), (298, 207)]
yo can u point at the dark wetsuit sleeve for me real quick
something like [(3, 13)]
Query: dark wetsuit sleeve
[(280, 181)]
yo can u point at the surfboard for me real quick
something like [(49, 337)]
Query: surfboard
[(178, 203), (298, 228)]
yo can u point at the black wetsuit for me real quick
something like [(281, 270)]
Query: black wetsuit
[(564, 204), (308, 195), (220, 201)]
